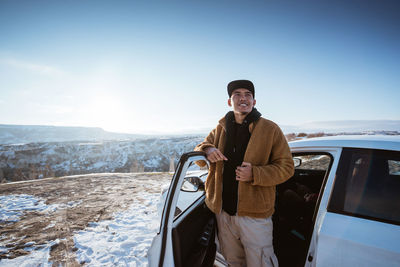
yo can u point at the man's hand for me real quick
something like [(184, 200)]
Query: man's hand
[(214, 155), (244, 173)]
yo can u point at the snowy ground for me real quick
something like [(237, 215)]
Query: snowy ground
[(106, 238), (123, 240)]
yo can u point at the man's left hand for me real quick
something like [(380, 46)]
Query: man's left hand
[(244, 172)]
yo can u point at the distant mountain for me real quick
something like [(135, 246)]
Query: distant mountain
[(15, 134), (34, 152), (23, 134), (349, 126)]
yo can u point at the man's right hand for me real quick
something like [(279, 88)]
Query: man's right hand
[(214, 155)]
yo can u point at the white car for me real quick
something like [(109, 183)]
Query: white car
[(341, 208)]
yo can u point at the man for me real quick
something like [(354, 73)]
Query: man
[(249, 156)]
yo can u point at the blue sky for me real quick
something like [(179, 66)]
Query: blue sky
[(163, 66)]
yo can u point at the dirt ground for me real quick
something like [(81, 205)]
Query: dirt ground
[(99, 195)]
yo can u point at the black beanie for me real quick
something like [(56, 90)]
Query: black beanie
[(246, 84)]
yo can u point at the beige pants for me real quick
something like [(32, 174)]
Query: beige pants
[(246, 241)]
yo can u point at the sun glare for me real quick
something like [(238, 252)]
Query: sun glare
[(105, 111)]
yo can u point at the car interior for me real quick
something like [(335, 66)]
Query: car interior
[(296, 202)]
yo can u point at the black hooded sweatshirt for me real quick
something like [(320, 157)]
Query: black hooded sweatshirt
[(237, 138)]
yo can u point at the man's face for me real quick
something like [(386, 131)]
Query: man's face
[(242, 101)]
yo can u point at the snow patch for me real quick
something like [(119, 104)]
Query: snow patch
[(39, 256), (123, 241), (12, 207)]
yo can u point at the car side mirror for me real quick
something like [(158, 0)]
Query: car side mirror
[(192, 184), (297, 162)]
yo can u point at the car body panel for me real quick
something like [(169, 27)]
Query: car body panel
[(386, 142), (349, 241)]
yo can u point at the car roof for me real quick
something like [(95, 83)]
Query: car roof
[(386, 142)]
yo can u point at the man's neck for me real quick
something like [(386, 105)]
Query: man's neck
[(239, 117)]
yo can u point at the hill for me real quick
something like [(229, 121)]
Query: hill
[(16, 134), (20, 162)]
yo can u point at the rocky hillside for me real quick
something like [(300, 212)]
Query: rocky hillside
[(40, 160), (23, 157)]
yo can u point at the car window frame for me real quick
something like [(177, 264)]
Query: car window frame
[(324, 181)]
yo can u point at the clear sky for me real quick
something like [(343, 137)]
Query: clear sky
[(162, 66)]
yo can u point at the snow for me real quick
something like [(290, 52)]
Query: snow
[(12, 207), (122, 241), (38, 257)]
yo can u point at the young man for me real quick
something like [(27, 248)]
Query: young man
[(249, 156)]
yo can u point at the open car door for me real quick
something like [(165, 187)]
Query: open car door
[(187, 230)]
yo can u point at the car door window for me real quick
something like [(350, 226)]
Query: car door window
[(192, 188), (394, 167), (368, 185), (313, 162)]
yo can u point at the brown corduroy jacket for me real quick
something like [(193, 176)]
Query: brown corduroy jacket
[(272, 164)]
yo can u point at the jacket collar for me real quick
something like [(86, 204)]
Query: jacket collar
[(222, 122)]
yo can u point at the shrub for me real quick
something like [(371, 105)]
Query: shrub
[(290, 137), (320, 134)]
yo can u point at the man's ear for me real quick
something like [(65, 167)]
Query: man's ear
[(254, 102), (229, 102)]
